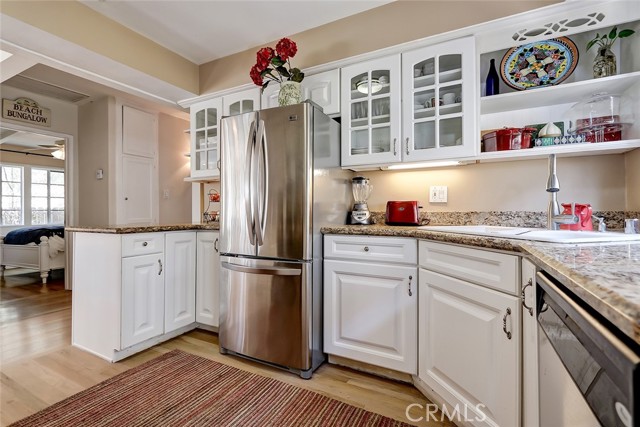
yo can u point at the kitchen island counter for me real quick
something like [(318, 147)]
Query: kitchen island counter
[(135, 228), (606, 276)]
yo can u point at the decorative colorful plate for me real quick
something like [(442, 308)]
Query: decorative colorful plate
[(539, 64)]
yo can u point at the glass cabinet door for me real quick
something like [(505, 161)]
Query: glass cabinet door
[(439, 96), (205, 141), (370, 111), (241, 102)]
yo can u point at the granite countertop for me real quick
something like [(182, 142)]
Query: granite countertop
[(128, 229), (604, 275)]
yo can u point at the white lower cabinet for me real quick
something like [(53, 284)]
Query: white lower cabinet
[(207, 278), (143, 298), (180, 280), (470, 341), (132, 291), (370, 309)]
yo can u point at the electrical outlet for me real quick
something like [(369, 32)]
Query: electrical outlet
[(438, 194), (99, 174), (165, 194)]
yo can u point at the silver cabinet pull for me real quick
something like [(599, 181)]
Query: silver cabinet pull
[(145, 243), (504, 323), (215, 245), (524, 302), (410, 278), (395, 146), (407, 146), (160, 265), (366, 248)]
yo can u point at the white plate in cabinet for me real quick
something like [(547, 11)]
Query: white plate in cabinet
[(495, 270), (373, 249), (469, 347), (370, 313)]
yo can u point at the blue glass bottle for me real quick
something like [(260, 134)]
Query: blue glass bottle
[(492, 86)]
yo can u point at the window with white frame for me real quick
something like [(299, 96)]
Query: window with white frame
[(47, 196), (31, 195), (11, 202)]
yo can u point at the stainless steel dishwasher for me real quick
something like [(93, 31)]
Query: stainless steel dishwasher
[(589, 373)]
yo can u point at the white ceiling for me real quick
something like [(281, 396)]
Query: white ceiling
[(204, 30)]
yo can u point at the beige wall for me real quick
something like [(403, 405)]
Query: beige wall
[(385, 26), (79, 24), (95, 124), (173, 167), (632, 163), (502, 186)]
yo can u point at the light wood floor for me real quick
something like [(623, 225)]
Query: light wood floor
[(39, 367)]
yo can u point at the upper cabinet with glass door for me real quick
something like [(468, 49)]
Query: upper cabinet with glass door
[(205, 121), (370, 104), (438, 92), (241, 102)]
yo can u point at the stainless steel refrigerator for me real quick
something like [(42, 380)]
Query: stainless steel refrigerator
[(281, 182)]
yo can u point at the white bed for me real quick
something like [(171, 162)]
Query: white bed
[(36, 257)]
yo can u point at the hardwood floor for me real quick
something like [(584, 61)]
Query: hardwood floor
[(39, 367)]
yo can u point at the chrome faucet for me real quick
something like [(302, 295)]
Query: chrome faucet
[(554, 217)]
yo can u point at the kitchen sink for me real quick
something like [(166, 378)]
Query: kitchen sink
[(535, 234)]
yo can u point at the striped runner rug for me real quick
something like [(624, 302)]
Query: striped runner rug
[(180, 389)]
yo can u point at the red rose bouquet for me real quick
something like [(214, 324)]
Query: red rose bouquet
[(274, 65)]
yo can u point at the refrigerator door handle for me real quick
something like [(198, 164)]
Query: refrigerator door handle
[(271, 271), (248, 193), (262, 184)]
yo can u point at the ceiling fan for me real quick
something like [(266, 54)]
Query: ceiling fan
[(57, 149)]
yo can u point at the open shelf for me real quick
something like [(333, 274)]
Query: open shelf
[(560, 94), (565, 150)]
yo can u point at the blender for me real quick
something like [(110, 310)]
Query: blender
[(361, 192)]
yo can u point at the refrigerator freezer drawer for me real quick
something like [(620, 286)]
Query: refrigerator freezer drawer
[(266, 311)]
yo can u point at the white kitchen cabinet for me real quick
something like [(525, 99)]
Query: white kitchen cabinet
[(142, 298), (322, 88), (470, 344), (180, 280), (139, 190), (241, 102), (141, 288), (205, 138), (139, 132), (370, 309), (530, 415), (370, 105), (439, 101), (207, 278)]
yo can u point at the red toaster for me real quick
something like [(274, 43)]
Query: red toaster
[(402, 213)]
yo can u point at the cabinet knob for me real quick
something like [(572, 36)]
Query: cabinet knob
[(126, 198), (366, 248), (145, 243)]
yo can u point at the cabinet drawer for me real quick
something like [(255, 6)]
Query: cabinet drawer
[(142, 244), (369, 248), (494, 270)]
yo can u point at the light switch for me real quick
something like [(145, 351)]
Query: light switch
[(438, 194), (99, 174)]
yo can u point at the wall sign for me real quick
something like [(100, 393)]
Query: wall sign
[(26, 110)]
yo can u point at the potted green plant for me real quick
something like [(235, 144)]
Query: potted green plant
[(604, 63)]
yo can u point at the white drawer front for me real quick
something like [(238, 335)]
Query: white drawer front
[(491, 269), (371, 248), (142, 244)]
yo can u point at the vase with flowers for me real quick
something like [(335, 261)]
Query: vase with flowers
[(604, 64), (274, 65)]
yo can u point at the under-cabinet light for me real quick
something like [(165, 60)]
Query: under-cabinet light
[(423, 165)]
